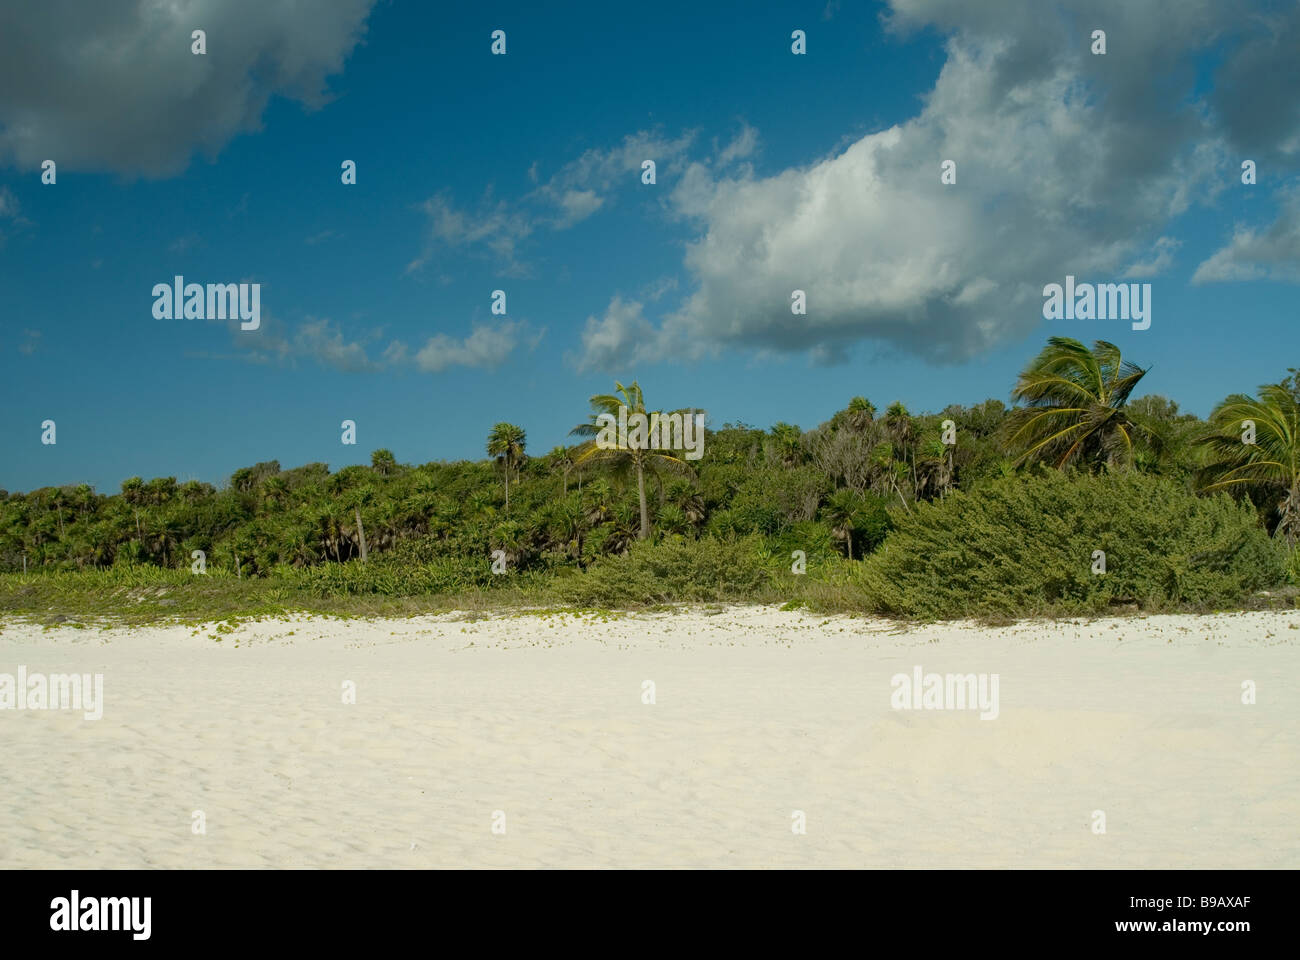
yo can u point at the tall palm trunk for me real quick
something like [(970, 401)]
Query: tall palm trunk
[(361, 534), (1289, 523), (640, 492)]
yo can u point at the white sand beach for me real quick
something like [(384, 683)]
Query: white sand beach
[(758, 713)]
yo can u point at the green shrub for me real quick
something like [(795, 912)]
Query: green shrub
[(676, 570), (441, 575), (1024, 546)]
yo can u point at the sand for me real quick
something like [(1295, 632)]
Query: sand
[(538, 725)]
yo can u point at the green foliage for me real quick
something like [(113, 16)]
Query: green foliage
[(669, 572), (647, 526), (1074, 406), (1024, 546), (1269, 466), (438, 576)]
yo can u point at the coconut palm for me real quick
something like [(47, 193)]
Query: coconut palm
[(1270, 465), (506, 442), (1074, 406), (637, 459)]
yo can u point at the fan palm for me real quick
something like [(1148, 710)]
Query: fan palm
[(842, 511), (788, 444), (1074, 406), (383, 462)]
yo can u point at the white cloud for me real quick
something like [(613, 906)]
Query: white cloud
[(574, 193), (114, 86), (744, 145), (1160, 259), (494, 226), (619, 339), (323, 341), (1067, 163), (485, 347), (582, 186), (1268, 253)]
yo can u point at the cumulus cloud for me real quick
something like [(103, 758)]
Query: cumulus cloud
[(619, 338), (1067, 163), (114, 86), (484, 348)]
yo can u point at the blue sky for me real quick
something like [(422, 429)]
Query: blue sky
[(523, 173)]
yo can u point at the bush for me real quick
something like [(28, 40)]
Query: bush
[(676, 570), (442, 575), (1024, 546)]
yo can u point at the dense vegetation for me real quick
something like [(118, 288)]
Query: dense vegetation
[(889, 515)]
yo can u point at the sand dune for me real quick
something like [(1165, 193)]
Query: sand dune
[(758, 713)]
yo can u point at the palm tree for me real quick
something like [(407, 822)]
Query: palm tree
[(562, 463), (568, 525), (682, 494), (934, 473), (841, 511), (861, 412), (1074, 406), (638, 459), (891, 471), (275, 491), (506, 442), (1270, 466), (383, 462), (787, 441)]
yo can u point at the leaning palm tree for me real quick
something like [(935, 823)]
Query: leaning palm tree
[(506, 442), (1266, 463), (624, 454), (1074, 406)]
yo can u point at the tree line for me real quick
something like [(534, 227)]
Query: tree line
[(841, 484)]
